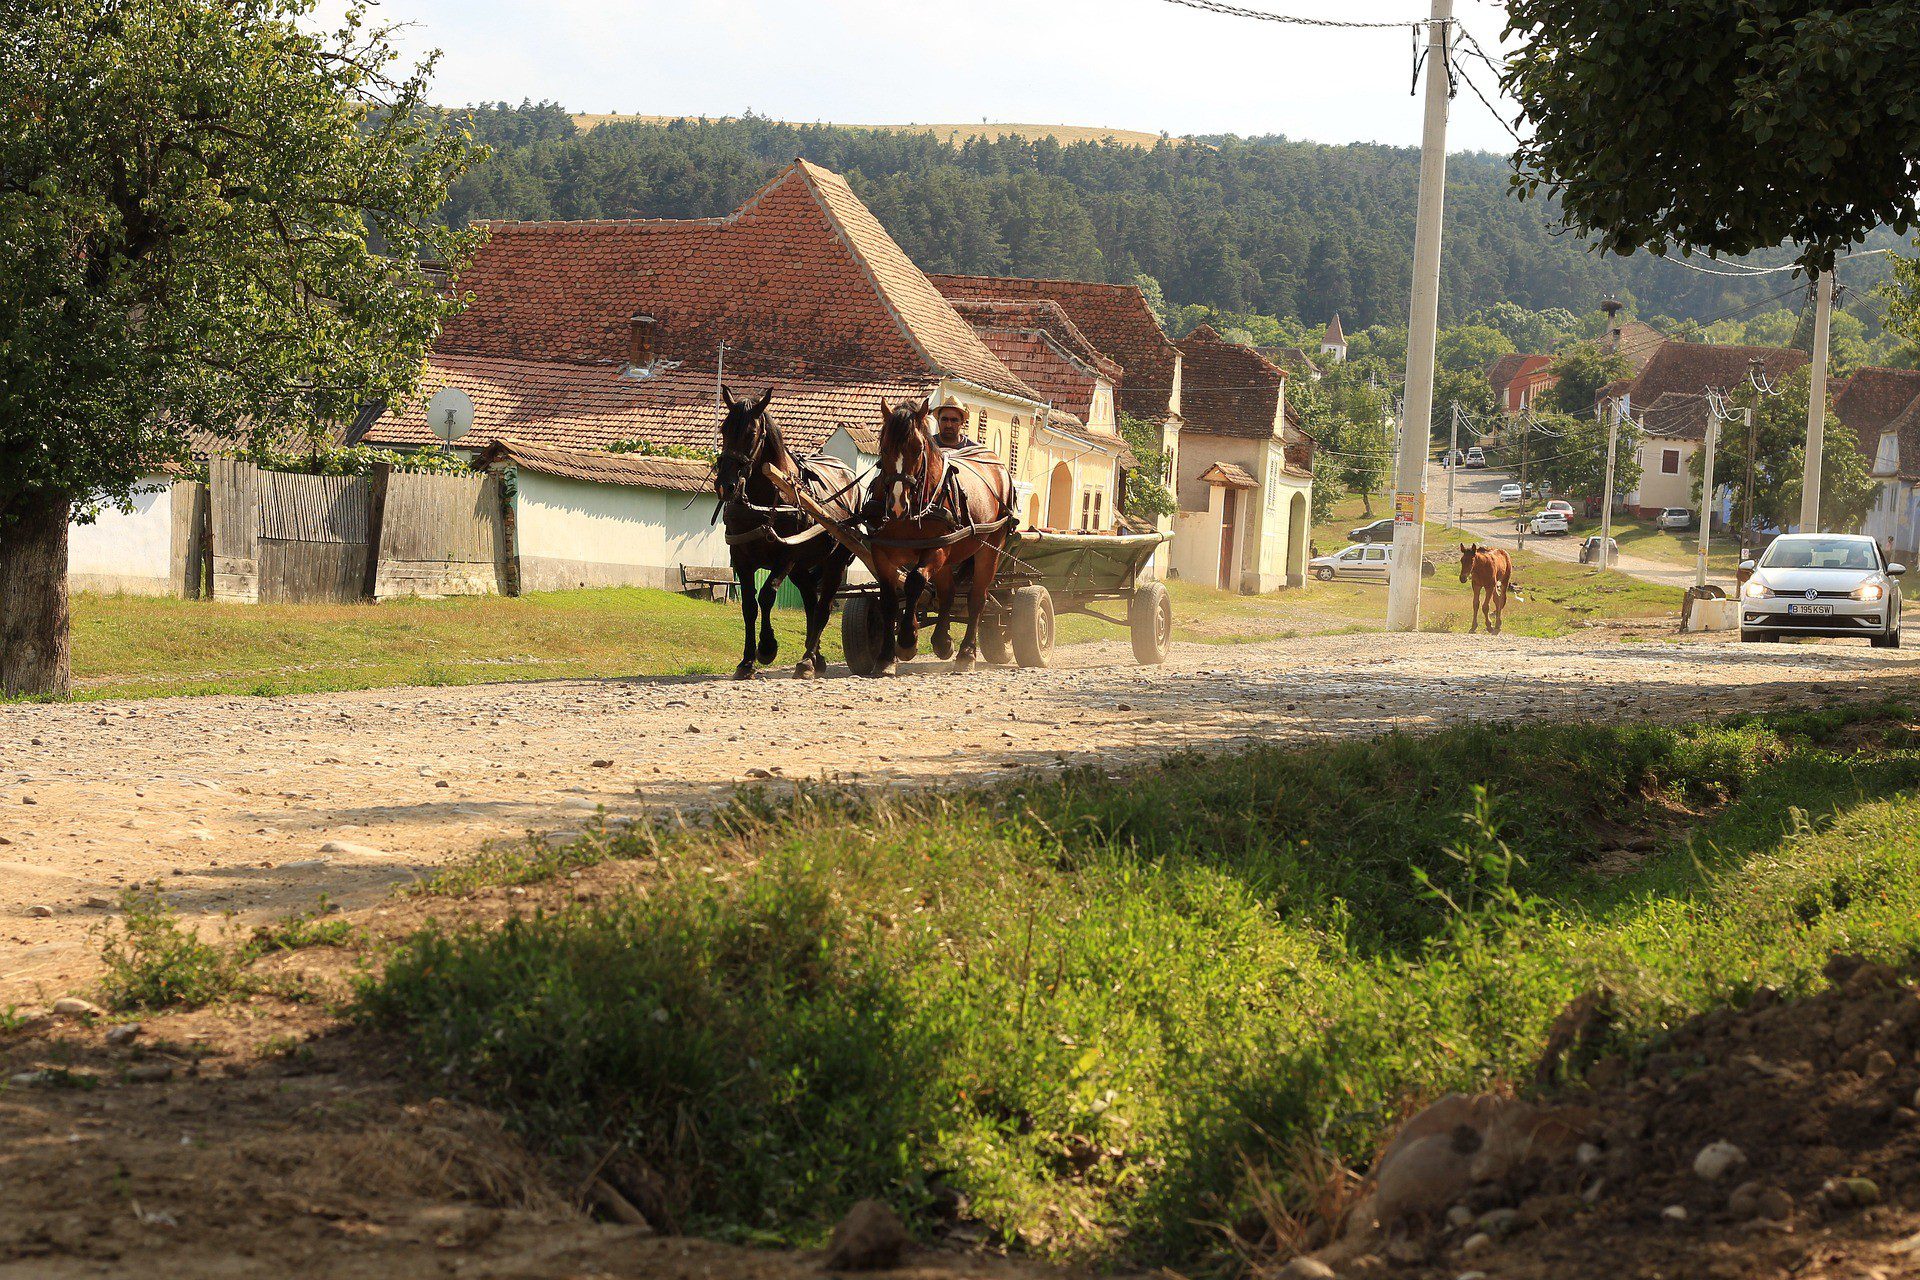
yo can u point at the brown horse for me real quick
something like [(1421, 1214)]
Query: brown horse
[(934, 513), (1491, 571)]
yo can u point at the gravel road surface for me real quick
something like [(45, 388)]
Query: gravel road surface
[(258, 806)]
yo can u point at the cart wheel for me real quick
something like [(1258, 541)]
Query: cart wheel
[(1427, 569), (1032, 626), (862, 632), (996, 645), (1150, 617)]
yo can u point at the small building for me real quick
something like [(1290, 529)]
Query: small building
[(1334, 344), (1669, 399), (1245, 478), (1519, 380), (1891, 443)]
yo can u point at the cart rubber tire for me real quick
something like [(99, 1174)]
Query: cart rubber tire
[(1150, 618), (996, 645), (1427, 569), (1032, 626), (1324, 573), (862, 632)]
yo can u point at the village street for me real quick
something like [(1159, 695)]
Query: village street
[(1477, 492), (261, 806)]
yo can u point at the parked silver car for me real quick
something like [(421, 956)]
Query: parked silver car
[(1674, 518), (1362, 560), (1828, 584)]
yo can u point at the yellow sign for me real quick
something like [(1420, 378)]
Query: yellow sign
[(1409, 508)]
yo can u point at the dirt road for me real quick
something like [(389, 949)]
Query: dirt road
[(259, 806)]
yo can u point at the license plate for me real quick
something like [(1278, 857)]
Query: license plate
[(1812, 610)]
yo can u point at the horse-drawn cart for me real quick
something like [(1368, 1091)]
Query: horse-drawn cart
[(1041, 575)]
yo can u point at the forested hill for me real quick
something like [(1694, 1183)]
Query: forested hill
[(1263, 224)]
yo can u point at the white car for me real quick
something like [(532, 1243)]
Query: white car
[(1827, 584), (1510, 492), (1361, 560), (1675, 518), (1548, 523), (1476, 458)]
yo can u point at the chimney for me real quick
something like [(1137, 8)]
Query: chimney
[(640, 341)]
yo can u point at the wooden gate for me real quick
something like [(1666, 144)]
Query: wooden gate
[(314, 538)]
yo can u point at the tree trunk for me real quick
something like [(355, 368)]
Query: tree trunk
[(35, 650)]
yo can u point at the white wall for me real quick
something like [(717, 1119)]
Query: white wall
[(572, 533), (130, 552)]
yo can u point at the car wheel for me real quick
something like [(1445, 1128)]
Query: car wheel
[(1889, 641), (1324, 573)]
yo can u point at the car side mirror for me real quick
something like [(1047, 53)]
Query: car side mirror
[(1895, 570), (1747, 565)]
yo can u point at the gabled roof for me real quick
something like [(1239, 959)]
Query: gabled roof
[(1906, 432), (1228, 389), (1336, 336), (1506, 370), (1115, 318), (1229, 474), (1635, 340), (801, 280), (1044, 349), (1871, 399), (684, 475), (1677, 417), (1292, 359), (551, 404), (1687, 368)]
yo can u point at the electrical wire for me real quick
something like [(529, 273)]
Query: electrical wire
[(1294, 20), (1488, 104)]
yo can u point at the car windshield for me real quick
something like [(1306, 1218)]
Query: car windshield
[(1820, 553)]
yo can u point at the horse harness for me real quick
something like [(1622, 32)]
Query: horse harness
[(941, 501)]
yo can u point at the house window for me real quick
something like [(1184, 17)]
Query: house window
[(1086, 509), (1099, 501), (1013, 446), (1669, 462), (1273, 485)]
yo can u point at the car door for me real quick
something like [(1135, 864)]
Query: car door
[(1374, 562), (1347, 563)]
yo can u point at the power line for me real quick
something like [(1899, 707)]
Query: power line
[(1294, 20), (1487, 103)]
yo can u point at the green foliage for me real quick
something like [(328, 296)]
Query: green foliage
[(189, 197), (1720, 125), (152, 962), (1263, 226), (1148, 495), (1108, 994), (1570, 456), (1779, 455), (328, 459), (650, 449), (1582, 370)]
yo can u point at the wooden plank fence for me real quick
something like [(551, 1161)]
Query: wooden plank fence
[(284, 538)]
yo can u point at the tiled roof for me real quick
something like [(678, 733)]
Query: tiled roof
[(1229, 474), (1336, 336), (1043, 364), (1906, 430), (1045, 316), (1688, 368), (1228, 389), (1677, 417), (1613, 390), (1636, 341), (1871, 399), (1507, 369), (1115, 318), (801, 280), (550, 404), (1292, 359), (685, 475)]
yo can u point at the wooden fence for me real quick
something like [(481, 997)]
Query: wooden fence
[(280, 538)]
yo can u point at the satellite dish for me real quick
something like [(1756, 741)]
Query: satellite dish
[(450, 414)]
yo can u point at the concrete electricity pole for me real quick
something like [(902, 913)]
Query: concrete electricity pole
[(1816, 406), (1706, 496), (1453, 453), (1423, 323), (1612, 409)]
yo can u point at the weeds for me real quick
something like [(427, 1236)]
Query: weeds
[(154, 962), (1092, 1002)]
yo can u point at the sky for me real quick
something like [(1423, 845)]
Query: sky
[(1131, 64)]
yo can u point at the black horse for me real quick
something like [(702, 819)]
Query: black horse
[(765, 533)]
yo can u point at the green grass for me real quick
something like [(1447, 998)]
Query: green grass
[(1093, 1003), (153, 961)]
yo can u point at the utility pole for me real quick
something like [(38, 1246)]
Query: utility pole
[(1816, 405), (1453, 454), (1746, 488), (1612, 409), (1706, 496), (1423, 323)]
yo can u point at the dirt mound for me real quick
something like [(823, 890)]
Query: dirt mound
[(1777, 1139)]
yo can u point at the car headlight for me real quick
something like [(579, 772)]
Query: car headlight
[(1757, 590), (1869, 591)]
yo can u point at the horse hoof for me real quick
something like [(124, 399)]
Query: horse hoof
[(769, 650), (942, 647), (964, 662), (805, 670), (819, 665), (743, 672), (887, 669), (907, 652)]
